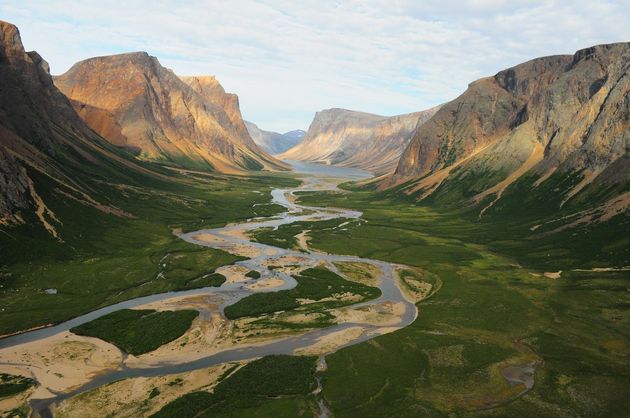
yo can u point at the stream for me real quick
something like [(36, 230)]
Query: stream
[(231, 238)]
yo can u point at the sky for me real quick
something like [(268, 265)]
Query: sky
[(289, 59)]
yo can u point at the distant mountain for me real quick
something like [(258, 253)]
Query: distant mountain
[(274, 142), (547, 134), (296, 134), (356, 139), (135, 103), (47, 153)]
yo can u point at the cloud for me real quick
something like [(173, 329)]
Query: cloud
[(288, 59)]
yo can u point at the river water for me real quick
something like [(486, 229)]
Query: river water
[(315, 178)]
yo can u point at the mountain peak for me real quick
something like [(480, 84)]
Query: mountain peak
[(11, 47), (135, 102), (296, 133), (140, 59)]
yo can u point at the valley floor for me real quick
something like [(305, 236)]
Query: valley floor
[(499, 332)]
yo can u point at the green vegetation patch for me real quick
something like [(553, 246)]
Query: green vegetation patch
[(138, 331), (253, 274), (284, 235), (11, 384), (314, 284), (273, 386)]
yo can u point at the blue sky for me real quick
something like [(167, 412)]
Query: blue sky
[(288, 59)]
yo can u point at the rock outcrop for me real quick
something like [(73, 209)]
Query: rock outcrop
[(561, 121), (136, 103), (355, 139), (274, 142)]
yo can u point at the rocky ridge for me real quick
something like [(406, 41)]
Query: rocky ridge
[(190, 122), (561, 121)]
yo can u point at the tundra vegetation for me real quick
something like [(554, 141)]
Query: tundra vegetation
[(104, 259), (138, 331)]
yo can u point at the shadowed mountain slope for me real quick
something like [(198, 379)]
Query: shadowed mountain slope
[(46, 147)]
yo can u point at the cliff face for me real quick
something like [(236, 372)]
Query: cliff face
[(134, 102), (355, 139), (44, 145), (225, 107), (560, 120), (274, 142)]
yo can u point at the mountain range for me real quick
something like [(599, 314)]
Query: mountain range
[(119, 114), (274, 142), (356, 139), (551, 133)]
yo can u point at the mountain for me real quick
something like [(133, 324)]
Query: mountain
[(274, 142), (551, 133), (295, 134), (356, 139), (47, 153), (136, 103)]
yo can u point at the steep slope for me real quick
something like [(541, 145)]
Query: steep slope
[(225, 107), (356, 139), (45, 146), (134, 102), (546, 134), (274, 142)]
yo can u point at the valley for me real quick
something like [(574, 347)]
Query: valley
[(332, 314), (488, 330), (161, 256)]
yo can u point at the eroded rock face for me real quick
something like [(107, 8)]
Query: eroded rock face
[(134, 102), (551, 115), (13, 188), (355, 139), (29, 107), (226, 108)]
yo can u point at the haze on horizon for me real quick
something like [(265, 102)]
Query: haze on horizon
[(287, 60)]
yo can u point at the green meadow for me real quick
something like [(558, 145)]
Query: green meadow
[(314, 284), (273, 386), (495, 316), (495, 312), (138, 331), (104, 259)]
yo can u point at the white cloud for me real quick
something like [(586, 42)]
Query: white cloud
[(288, 59)]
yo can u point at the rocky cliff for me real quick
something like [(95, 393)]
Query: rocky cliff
[(556, 126), (356, 139), (274, 142), (134, 102), (46, 150)]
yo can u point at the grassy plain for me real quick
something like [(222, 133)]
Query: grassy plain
[(138, 331), (284, 235), (320, 287), (274, 386), (104, 259), (495, 311)]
